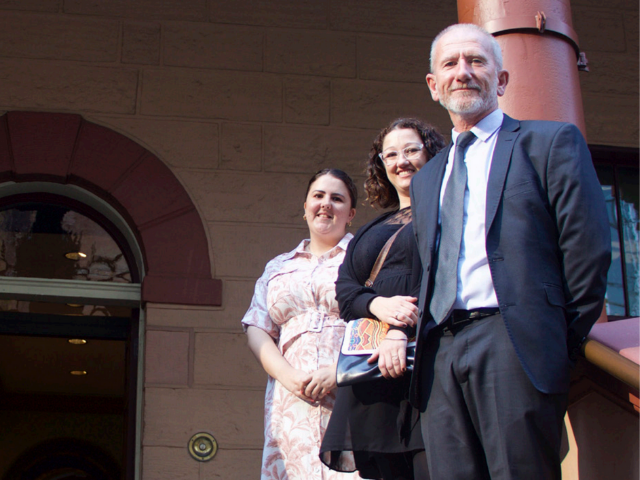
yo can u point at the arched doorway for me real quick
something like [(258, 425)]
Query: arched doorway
[(58, 171), (69, 311)]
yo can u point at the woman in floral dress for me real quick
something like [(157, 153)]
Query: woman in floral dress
[(295, 332)]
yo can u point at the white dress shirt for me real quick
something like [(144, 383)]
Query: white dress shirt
[(475, 286)]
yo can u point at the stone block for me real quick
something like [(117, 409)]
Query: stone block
[(599, 30), (236, 300), (59, 37), (147, 9), (102, 156), (176, 246), (112, 8), (611, 119), (419, 19), (631, 32), (307, 150), (182, 144), (150, 179), (325, 53), (307, 100), (280, 13), (163, 315), (163, 463), (166, 357), (225, 359), (397, 59), (206, 94), (236, 464), (611, 5), (243, 250), (78, 88), (365, 212), (241, 147), (367, 104), (212, 46), (31, 5), (168, 9), (249, 197), (43, 143), (141, 43), (233, 417), (610, 73)]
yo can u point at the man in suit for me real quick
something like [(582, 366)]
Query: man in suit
[(514, 273)]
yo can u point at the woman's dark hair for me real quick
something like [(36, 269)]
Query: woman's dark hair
[(380, 192), (340, 175)]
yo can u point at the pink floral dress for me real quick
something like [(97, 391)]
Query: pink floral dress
[(294, 301)]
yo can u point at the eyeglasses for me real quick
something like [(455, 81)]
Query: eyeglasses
[(410, 152)]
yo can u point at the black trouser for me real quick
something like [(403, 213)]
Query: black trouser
[(484, 419), (398, 466)]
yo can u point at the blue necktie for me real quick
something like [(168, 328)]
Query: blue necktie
[(451, 216)]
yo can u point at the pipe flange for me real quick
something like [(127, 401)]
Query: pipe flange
[(203, 447)]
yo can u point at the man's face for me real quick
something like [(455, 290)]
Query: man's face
[(465, 79)]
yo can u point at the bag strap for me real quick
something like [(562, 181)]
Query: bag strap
[(382, 257)]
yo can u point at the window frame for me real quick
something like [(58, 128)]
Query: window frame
[(616, 158)]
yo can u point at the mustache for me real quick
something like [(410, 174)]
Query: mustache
[(466, 86)]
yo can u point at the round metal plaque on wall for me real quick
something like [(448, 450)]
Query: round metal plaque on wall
[(203, 447)]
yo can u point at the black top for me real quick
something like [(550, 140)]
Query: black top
[(399, 275), (375, 417)]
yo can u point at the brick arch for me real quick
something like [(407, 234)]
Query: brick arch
[(66, 149)]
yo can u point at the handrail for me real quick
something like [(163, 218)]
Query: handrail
[(612, 362)]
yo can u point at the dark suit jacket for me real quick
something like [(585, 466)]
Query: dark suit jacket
[(547, 242)]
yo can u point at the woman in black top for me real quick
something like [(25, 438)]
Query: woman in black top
[(373, 429)]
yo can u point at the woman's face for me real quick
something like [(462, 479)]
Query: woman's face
[(328, 208), (401, 171)]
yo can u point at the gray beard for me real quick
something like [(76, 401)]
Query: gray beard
[(468, 106), (473, 105)]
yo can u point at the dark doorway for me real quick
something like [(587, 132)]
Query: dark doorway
[(68, 342), (64, 383)]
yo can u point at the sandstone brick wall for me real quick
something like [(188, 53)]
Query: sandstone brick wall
[(244, 100)]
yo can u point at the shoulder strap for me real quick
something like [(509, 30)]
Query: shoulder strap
[(381, 257)]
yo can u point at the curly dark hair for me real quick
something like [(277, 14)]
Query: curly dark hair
[(380, 192)]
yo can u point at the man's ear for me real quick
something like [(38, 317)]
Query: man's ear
[(503, 79), (431, 82)]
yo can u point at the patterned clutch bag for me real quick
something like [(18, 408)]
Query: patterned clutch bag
[(363, 336)]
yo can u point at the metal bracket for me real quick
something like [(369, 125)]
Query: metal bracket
[(583, 63), (539, 23)]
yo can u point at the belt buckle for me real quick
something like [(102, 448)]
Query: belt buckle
[(455, 321), (475, 315)]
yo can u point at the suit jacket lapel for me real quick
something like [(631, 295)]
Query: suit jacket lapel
[(433, 197), (499, 167)]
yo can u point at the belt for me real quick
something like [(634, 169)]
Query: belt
[(460, 318)]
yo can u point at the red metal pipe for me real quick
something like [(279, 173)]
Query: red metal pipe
[(541, 53)]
